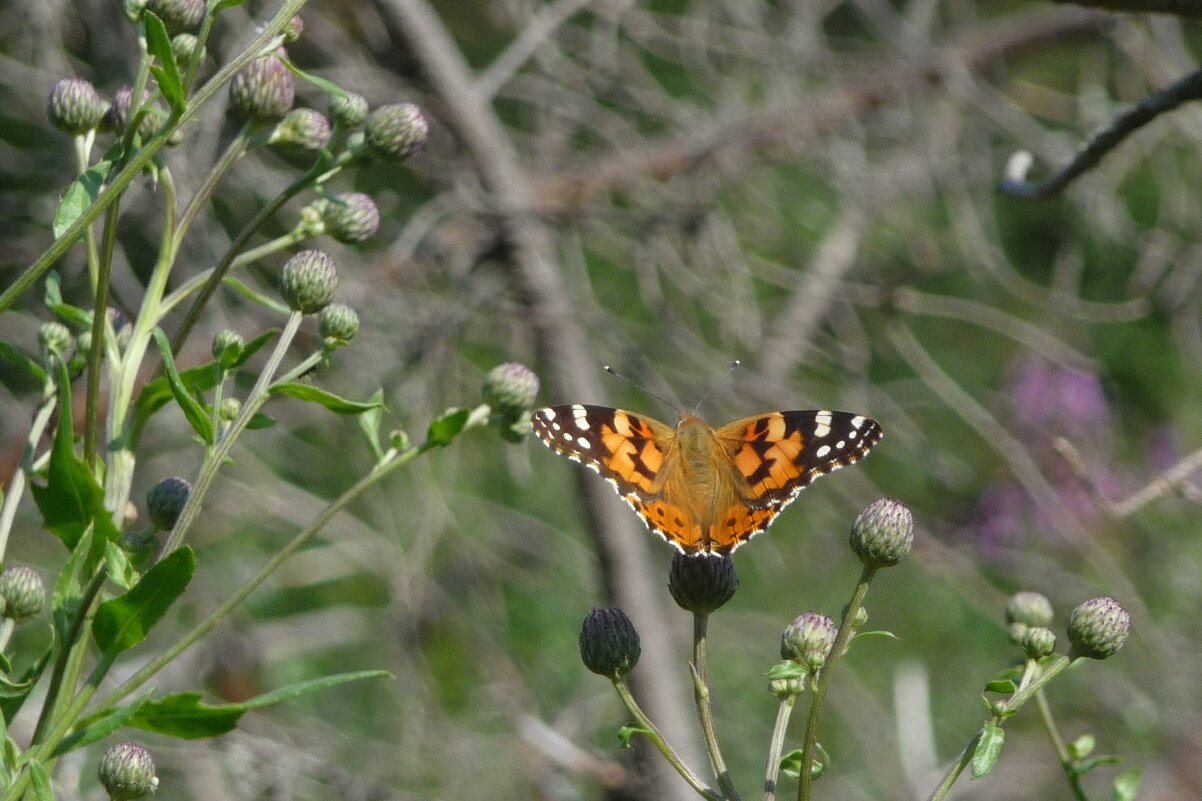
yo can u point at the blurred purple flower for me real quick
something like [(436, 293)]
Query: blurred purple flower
[(1044, 393)]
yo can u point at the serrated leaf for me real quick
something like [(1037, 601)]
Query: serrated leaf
[(122, 622), (989, 747), (1126, 784), (71, 500), (444, 429), (166, 73), (256, 296), (184, 715), (193, 411), (1004, 686), (99, 728), (19, 360), (369, 423), (335, 403), (627, 733), (40, 779)]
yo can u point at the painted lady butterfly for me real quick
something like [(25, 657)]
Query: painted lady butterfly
[(707, 490)]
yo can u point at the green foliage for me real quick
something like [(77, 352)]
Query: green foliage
[(123, 622)]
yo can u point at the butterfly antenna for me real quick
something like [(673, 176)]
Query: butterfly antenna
[(634, 383), (717, 384)]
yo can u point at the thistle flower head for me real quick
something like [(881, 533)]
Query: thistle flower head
[(395, 131), (22, 591), (177, 15), (808, 640), (308, 281), (263, 91), (609, 644), (302, 128), (74, 106), (883, 533), (348, 110), (350, 217), (510, 389), (127, 772), (702, 584), (165, 500), (1098, 628), (338, 323)]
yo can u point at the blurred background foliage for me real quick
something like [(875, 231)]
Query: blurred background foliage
[(809, 187)]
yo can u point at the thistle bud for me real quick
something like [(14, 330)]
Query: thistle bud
[(350, 217), (348, 110), (510, 389), (230, 407), (1098, 628), (395, 131), (177, 15), (609, 644), (302, 128), (702, 584), (1038, 642), (227, 347), (74, 106), (183, 46), (127, 772), (338, 322), (134, 9), (883, 533), (808, 640), (293, 30), (165, 501), (23, 592), (55, 338), (308, 281), (1030, 608), (117, 115), (263, 90)]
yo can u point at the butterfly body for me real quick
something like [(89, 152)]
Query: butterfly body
[(706, 490)]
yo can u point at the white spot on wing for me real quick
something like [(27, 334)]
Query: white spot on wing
[(582, 442), (857, 422), (823, 451), (821, 430)]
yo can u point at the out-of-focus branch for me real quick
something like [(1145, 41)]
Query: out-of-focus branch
[(1101, 142), (1175, 478), (1182, 8)]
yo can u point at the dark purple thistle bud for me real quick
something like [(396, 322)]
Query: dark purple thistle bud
[(127, 772), (263, 91), (178, 16), (302, 128), (165, 501), (23, 592), (702, 584), (883, 533), (395, 131), (609, 644), (308, 281), (808, 640), (349, 110), (74, 106), (1098, 628), (350, 217), (338, 322)]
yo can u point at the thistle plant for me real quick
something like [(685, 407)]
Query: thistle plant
[(122, 569), (813, 645)]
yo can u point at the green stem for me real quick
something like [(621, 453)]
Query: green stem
[(701, 695), (233, 153), (657, 739), (846, 630), (777, 745), (16, 485), (181, 293)]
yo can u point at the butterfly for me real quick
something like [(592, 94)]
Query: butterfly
[(707, 490)]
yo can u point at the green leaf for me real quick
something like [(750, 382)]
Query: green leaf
[(253, 347), (369, 423), (786, 670), (887, 634), (123, 622), (72, 500), (627, 733), (1086, 765), (99, 728), (184, 716), (444, 429), (1082, 746), (989, 747), (11, 703), (1004, 686), (120, 571), (259, 420), (258, 297), (1126, 784), (334, 403), (192, 409), (790, 763), (166, 74), (157, 393), (54, 289), (40, 779), (224, 4), (329, 87), (68, 589), (19, 360)]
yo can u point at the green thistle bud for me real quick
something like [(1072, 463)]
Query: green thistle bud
[(134, 9), (229, 409), (349, 110), (786, 679), (308, 281), (510, 389), (263, 90), (177, 15), (165, 501), (302, 128), (395, 131), (350, 217), (1038, 642), (702, 584), (1098, 628), (338, 322), (55, 338), (227, 347), (23, 592), (1029, 608), (609, 644), (808, 640), (127, 772), (883, 533), (293, 30), (74, 106), (183, 45)]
